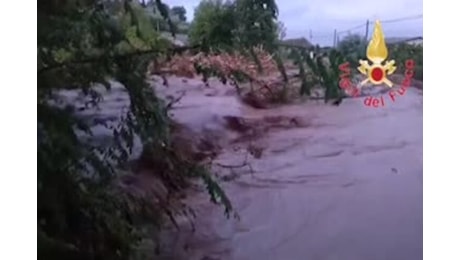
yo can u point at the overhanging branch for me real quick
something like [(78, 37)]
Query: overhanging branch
[(177, 49)]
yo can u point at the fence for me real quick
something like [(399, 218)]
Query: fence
[(365, 30)]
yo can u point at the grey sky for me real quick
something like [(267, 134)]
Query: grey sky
[(322, 17)]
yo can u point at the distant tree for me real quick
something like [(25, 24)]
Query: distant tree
[(257, 22), (353, 47), (213, 24), (242, 22), (351, 43), (180, 12)]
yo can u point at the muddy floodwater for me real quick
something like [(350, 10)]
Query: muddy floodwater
[(330, 183), (308, 181)]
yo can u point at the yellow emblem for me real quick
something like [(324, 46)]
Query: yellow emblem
[(377, 53)]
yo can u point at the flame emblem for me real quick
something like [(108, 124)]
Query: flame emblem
[(377, 53)]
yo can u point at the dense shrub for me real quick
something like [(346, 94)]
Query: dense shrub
[(353, 48), (402, 52), (82, 211)]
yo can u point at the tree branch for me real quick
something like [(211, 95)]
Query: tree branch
[(176, 49)]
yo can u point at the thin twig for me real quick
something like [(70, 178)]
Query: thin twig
[(175, 100), (232, 166)]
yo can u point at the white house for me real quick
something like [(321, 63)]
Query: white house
[(411, 41)]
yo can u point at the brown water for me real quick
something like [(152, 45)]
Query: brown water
[(341, 183), (326, 182)]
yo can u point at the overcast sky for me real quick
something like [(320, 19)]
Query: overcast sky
[(322, 17)]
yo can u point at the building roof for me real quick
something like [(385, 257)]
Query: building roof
[(394, 40), (298, 42)]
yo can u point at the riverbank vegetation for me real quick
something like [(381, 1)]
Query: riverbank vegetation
[(84, 211)]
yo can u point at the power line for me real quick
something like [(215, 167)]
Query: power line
[(364, 26), (314, 36), (353, 28), (413, 17)]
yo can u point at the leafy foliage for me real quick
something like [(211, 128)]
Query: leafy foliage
[(256, 22), (239, 24), (83, 213), (402, 52), (180, 12), (213, 25), (324, 70), (353, 47), (235, 67)]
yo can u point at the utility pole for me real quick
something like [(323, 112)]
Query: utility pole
[(367, 30), (335, 38), (311, 36)]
